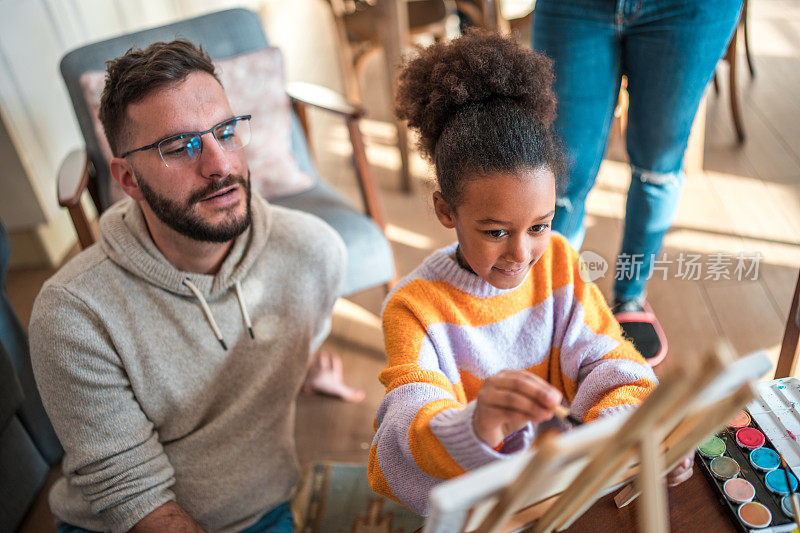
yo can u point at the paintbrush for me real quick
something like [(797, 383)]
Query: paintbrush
[(563, 413), (792, 494)]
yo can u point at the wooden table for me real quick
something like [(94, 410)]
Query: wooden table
[(789, 358), (693, 506)]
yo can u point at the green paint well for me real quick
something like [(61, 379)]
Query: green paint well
[(712, 447)]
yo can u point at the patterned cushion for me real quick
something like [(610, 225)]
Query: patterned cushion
[(92, 83), (255, 85)]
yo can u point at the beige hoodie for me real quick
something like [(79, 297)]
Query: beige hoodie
[(148, 404)]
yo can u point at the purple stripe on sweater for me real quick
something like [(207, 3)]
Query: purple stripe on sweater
[(577, 342), (454, 430), (605, 375), (406, 480), (452, 427), (519, 341), (429, 360)]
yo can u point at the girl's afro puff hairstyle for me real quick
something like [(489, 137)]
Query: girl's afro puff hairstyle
[(481, 103)]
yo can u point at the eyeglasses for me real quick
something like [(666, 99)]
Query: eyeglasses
[(185, 148)]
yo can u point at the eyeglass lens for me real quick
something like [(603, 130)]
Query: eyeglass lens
[(183, 149)]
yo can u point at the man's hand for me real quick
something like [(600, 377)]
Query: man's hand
[(168, 517), (325, 376), (509, 400), (682, 472)]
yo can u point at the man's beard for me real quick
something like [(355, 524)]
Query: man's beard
[(181, 218)]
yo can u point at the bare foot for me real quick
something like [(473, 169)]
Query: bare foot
[(325, 377), (682, 472)]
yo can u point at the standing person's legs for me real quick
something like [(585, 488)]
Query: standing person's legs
[(669, 51), (579, 36)]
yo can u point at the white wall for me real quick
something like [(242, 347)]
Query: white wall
[(38, 126)]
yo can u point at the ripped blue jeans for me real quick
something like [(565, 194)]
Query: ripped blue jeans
[(667, 49)]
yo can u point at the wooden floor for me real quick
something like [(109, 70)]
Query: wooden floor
[(747, 200)]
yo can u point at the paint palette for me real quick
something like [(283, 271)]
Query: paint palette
[(776, 411), (742, 461)]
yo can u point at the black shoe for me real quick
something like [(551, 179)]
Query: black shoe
[(640, 326)]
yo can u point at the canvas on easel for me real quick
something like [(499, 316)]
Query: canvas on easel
[(552, 485)]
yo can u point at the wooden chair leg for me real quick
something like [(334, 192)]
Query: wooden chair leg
[(788, 358), (489, 10), (393, 27), (369, 191), (472, 11), (747, 41), (346, 55), (733, 87), (406, 184)]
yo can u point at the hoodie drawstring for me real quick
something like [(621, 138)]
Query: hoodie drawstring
[(210, 317), (245, 316)]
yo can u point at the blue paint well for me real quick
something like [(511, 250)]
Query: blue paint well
[(786, 506), (776, 481), (765, 459)]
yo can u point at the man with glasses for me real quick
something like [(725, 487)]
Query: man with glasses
[(169, 355)]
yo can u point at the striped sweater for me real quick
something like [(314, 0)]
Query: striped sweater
[(446, 331)]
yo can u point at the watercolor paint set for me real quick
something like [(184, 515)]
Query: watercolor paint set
[(743, 461)]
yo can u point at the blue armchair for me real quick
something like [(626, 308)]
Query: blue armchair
[(370, 263), (28, 444)]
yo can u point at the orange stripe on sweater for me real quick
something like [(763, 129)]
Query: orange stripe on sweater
[(472, 385), (377, 481), (625, 351), (428, 452), (597, 314), (562, 262), (424, 299), (630, 394), (599, 318), (403, 334)]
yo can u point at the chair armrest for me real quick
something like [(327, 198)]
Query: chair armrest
[(73, 178), (309, 94), (323, 98)]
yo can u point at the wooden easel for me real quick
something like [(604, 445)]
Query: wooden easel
[(688, 406)]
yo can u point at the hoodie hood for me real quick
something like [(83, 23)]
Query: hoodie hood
[(126, 240)]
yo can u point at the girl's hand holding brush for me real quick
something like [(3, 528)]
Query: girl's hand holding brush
[(509, 400)]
